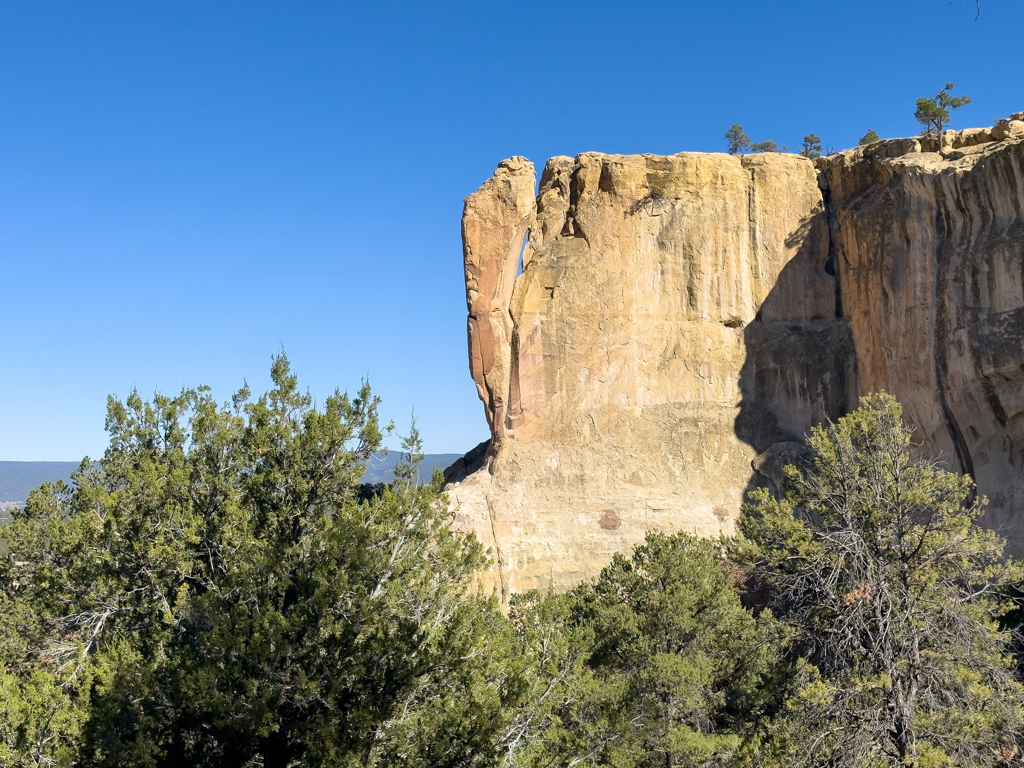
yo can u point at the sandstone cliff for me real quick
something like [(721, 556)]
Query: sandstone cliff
[(653, 336), (930, 250)]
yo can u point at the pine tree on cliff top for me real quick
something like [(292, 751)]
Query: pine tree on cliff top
[(934, 113), (737, 141), (869, 138)]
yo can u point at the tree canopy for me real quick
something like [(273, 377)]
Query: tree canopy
[(215, 591), (812, 146), (675, 671), (875, 559), (737, 140), (869, 138), (220, 590)]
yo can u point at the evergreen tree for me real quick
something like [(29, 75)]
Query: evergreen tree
[(869, 138), (407, 467), (214, 592), (812, 146), (738, 142), (677, 670), (934, 113), (555, 720), (874, 558)]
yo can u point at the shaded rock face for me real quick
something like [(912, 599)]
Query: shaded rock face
[(653, 336), (929, 252)]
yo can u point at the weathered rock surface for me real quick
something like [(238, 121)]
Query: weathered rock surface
[(632, 399), (681, 321), (496, 219), (930, 251)]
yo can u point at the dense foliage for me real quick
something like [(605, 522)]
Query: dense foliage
[(660, 662), (875, 560), (214, 592), (219, 590)]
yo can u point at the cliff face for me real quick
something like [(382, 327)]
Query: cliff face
[(930, 252), (653, 336)]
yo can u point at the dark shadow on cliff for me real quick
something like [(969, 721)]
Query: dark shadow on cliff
[(466, 465), (800, 368)]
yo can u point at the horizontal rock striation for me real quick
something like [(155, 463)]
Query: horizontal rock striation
[(653, 336)]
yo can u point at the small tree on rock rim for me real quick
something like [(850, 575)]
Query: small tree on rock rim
[(934, 113), (812, 146), (737, 140)]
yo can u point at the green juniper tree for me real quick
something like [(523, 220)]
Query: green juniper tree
[(875, 559), (737, 141), (812, 146), (216, 592), (41, 713), (869, 138), (219, 590), (676, 669), (407, 467), (555, 721)]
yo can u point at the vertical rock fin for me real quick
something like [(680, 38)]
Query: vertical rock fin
[(496, 221)]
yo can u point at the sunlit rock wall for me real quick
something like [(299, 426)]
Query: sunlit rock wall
[(631, 398), (652, 336)]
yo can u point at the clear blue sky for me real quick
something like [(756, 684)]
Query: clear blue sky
[(186, 186)]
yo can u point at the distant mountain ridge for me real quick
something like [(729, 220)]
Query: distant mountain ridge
[(383, 470), (18, 478)]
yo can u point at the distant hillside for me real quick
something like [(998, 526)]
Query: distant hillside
[(383, 470), (17, 478)]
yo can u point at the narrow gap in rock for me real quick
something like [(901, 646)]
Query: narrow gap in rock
[(522, 250)]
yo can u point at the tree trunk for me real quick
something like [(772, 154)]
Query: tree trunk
[(902, 726)]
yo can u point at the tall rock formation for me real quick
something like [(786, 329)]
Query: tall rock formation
[(496, 220), (630, 399), (653, 336)]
